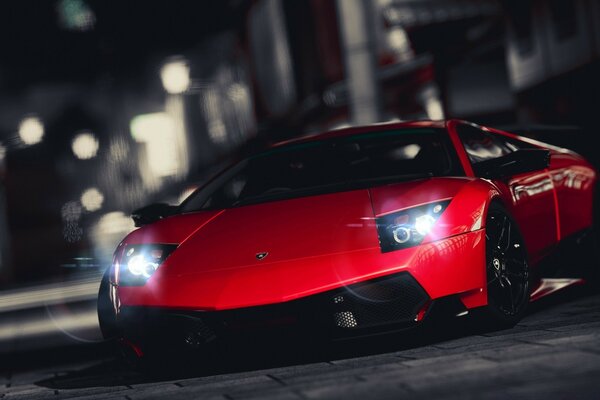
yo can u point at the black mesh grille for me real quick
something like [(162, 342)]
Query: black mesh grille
[(388, 300), (345, 319)]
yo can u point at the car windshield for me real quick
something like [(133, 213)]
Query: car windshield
[(330, 165)]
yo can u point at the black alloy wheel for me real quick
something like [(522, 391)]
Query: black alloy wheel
[(507, 268)]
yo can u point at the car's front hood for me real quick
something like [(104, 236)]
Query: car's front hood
[(282, 230), (311, 244)]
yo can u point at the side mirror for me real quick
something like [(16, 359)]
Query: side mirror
[(517, 162), (152, 213)]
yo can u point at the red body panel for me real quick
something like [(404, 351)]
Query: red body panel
[(573, 179), (444, 267), (319, 243), (315, 244), (548, 205), (171, 230), (531, 200)]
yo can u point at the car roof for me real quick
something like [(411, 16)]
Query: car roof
[(349, 131)]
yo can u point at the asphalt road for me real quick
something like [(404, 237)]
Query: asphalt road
[(553, 354)]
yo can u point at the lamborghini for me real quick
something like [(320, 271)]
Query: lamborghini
[(354, 232)]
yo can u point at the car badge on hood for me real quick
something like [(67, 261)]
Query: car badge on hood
[(262, 255)]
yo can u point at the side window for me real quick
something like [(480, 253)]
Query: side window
[(481, 146)]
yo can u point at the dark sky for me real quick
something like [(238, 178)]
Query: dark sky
[(35, 48)]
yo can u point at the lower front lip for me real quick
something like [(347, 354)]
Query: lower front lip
[(393, 300)]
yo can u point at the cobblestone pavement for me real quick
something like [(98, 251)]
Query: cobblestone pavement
[(553, 354)]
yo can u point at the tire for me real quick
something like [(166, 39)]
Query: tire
[(507, 270), (106, 314)]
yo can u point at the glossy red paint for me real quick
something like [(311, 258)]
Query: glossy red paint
[(319, 243), (573, 179), (548, 205), (530, 199), (444, 267), (316, 244), (176, 229)]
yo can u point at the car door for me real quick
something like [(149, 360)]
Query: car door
[(574, 180), (530, 197)]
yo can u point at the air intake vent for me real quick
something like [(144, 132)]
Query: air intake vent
[(388, 300)]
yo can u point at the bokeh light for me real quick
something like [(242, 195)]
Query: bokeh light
[(92, 199), (31, 130), (108, 231), (157, 132), (85, 145), (175, 76), (75, 15), (71, 211), (115, 222)]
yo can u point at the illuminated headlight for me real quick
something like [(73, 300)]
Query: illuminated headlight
[(408, 227), (140, 261), (423, 224)]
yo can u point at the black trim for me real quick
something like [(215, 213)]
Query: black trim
[(570, 257), (384, 304)]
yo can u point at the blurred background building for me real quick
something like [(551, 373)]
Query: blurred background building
[(106, 106)]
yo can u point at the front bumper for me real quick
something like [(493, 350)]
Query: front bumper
[(393, 302)]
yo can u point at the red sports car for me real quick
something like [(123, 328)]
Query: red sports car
[(352, 232)]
